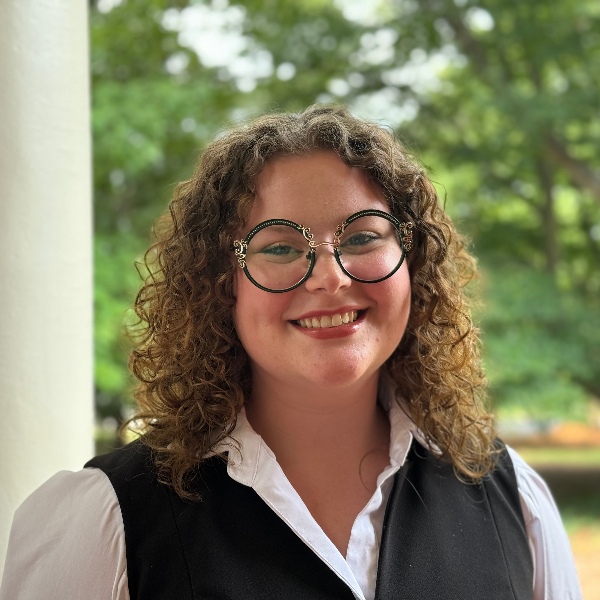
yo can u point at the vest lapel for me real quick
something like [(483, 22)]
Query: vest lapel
[(441, 537)]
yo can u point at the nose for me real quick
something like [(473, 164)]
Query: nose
[(327, 274)]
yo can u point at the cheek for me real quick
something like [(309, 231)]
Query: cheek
[(256, 313), (396, 289), (395, 297)]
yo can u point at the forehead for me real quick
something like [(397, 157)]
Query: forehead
[(317, 189)]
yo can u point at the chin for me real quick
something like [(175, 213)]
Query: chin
[(338, 376)]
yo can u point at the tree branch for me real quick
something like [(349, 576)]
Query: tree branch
[(579, 172)]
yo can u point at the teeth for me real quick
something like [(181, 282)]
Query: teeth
[(329, 320)]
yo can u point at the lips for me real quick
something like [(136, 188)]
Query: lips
[(328, 321)]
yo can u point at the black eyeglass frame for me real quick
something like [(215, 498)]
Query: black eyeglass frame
[(404, 230)]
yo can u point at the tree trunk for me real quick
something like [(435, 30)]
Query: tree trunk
[(548, 215)]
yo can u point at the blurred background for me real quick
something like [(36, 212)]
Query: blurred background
[(499, 99)]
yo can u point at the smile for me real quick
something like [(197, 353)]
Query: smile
[(327, 321)]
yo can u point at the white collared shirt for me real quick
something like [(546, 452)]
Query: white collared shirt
[(68, 541)]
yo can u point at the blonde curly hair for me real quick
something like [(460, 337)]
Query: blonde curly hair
[(192, 369)]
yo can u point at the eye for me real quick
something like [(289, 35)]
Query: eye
[(277, 253), (280, 250), (360, 238)]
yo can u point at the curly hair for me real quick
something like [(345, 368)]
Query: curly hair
[(192, 369)]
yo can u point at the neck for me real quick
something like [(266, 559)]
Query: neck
[(317, 425)]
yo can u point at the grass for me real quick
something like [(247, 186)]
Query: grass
[(545, 455)]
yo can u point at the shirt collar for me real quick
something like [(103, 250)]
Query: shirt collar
[(247, 449)]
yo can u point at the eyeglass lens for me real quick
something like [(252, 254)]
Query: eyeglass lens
[(278, 256)]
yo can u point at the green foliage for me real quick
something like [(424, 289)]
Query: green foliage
[(580, 512), (541, 345), (500, 96), (116, 284)]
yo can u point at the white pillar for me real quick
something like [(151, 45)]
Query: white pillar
[(46, 388)]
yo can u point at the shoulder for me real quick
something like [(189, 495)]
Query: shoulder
[(135, 457), (536, 498), (71, 488), (132, 474), (555, 573), (67, 537)]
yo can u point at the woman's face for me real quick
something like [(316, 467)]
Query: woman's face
[(319, 191)]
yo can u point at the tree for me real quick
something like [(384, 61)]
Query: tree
[(500, 96), (516, 115)]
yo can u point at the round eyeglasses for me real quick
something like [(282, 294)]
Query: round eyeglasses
[(279, 255)]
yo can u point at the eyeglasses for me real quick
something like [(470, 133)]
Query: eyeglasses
[(279, 255)]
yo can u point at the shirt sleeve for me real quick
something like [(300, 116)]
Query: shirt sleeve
[(555, 575), (67, 541)]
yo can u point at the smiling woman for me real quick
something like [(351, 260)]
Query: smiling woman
[(321, 190), (312, 400)]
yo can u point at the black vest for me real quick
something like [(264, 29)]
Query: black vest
[(442, 539)]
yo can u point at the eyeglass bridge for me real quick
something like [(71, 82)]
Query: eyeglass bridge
[(312, 244)]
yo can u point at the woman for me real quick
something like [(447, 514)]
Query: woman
[(312, 399)]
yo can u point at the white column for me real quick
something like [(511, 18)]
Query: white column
[(46, 388)]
